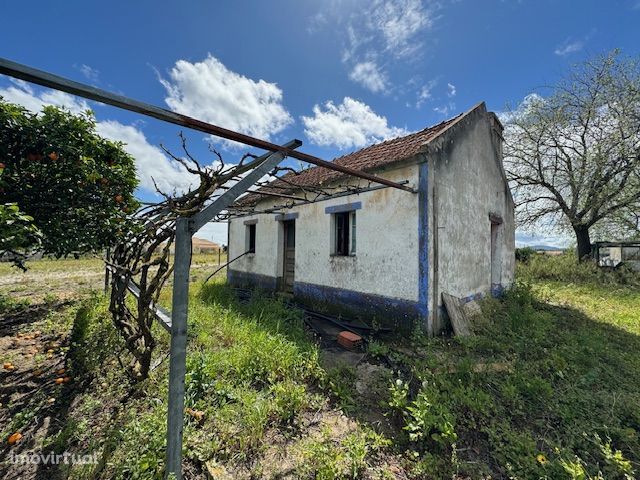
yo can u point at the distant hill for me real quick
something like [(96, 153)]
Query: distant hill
[(545, 247)]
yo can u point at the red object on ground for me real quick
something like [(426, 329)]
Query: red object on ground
[(349, 339)]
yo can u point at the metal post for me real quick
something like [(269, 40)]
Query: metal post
[(178, 358)]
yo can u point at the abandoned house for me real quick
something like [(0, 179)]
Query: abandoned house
[(385, 254)]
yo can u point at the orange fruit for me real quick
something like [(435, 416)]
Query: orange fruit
[(7, 365), (61, 371), (59, 381), (118, 198), (53, 156), (14, 438), (66, 379)]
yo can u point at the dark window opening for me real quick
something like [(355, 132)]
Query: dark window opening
[(345, 233), (252, 238)]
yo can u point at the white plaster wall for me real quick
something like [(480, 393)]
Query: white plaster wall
[(267, 256), (386, 260), (468, 185)]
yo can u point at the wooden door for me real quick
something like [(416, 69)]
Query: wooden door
[(289, 255)]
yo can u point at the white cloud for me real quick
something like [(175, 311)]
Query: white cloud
[(523, 108), (445, 109), (316, 23), (424, 93), (399, 22), (369, 75), (150, 160), (89, 73), (568, 47), (209, 91), (23, 94), (349, 124), (451, 90)]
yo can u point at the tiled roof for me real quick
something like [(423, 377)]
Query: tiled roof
[(367, 159)]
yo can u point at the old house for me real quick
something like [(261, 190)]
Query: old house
[(387, 254)]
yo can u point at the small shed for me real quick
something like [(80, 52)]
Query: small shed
[(615, 254)]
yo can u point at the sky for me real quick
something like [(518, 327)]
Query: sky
[(337, 74)]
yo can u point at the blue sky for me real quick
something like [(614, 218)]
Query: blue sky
[(338, 74)]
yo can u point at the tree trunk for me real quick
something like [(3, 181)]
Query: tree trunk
[(584, 242)]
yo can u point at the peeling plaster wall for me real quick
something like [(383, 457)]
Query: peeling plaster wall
[(468, 185), (386, 259), (461, 182)]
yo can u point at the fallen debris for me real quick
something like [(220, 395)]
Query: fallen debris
[(349, 340), (460, 319)]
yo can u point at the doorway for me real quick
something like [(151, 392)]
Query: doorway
[(495, 259), (289, 255)]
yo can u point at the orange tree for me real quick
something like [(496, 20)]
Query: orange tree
[(77, 186)]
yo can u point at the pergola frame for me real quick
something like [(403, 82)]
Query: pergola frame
[(187, 226)]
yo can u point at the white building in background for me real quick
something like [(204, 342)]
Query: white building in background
[(388, 255)]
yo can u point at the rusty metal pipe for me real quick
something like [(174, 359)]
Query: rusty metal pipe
[(50, 80)]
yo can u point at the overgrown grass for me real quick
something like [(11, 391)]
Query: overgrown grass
[(544, 390), (251, 371), (549, 387)]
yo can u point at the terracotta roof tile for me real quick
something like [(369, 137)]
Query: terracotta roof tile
[(367, 159)]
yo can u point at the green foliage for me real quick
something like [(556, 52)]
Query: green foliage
[(564, 268), (324, 460), (251, 370), (9, 304), (524, 254), (339, 381), (429, 418), (18, 234), (77, 186), (531, 394)]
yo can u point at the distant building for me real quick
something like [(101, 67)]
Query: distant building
[(389, 254), (200, 245), (614, 254)]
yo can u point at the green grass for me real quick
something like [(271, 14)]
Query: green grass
[(252, 373), (549, 387)]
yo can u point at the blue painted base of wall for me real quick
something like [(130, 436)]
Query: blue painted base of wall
[(237, 278), (386, 311)]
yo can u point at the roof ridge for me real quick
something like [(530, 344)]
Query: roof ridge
[(374, 156)]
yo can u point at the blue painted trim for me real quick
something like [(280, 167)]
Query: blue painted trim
[(423, 239), (471, 298), (283, 217), (237, 278), (497, 290), (347, 207), (388, 311)]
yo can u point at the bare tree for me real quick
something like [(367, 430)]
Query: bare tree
[(142, 257), (573, 158)]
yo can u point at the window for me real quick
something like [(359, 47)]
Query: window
[(344, 233), (251, 238)]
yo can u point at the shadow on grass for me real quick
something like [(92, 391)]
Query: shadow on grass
[(27, 395)]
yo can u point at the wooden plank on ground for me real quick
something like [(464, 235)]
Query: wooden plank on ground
[(459, 320)]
